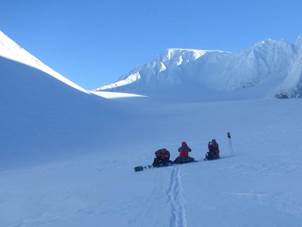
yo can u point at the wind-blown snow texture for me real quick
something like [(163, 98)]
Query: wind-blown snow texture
[(269, 68), (80, 150)]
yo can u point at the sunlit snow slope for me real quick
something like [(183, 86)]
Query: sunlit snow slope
[(11, 50)]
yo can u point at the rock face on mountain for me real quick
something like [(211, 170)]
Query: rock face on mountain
[(268, 69)]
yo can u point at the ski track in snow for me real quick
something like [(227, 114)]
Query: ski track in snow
[(176, 200)]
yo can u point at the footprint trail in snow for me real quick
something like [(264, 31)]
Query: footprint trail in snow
[(176, 200)]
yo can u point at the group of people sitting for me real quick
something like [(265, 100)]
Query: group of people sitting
[(162, 156)]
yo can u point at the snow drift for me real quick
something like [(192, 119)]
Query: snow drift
[(269, 68)]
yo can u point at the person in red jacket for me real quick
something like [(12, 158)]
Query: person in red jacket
[(184, 150), (184, 154)]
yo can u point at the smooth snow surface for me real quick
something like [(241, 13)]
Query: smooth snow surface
[(267, 69), (257, 186)]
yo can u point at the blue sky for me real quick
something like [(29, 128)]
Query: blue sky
[(94, 42)]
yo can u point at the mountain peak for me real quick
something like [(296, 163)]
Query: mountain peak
[(175, 53), (262, 68), (270, 42)]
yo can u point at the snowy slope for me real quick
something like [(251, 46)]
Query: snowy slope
[(264, 70), (44, 115), (11, 50), (257, 186), (292, 85), (41, 116)]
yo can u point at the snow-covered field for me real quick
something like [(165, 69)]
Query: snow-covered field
[(257, 186), (67, 156)]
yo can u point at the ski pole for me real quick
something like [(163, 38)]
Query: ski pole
[(230, 143)]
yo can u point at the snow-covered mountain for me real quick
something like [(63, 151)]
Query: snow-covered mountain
[(269, 68)]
